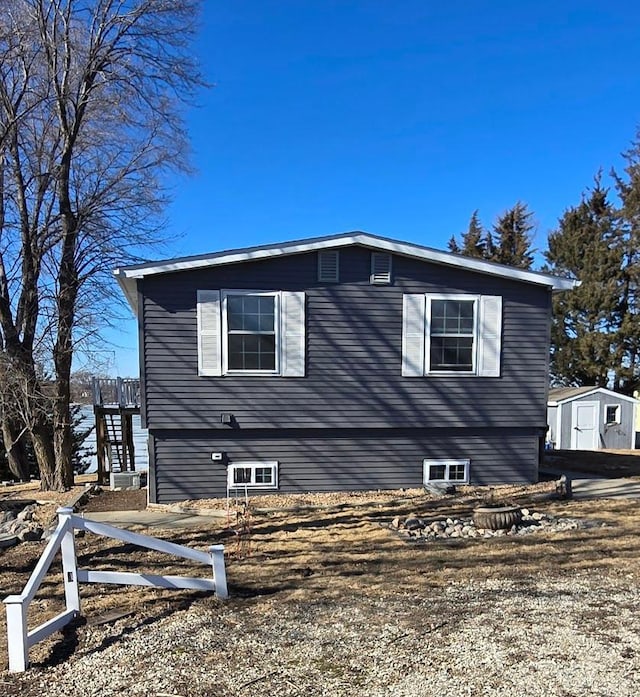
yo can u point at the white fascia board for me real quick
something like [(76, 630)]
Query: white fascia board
[(344, 240), (129, 288), (595, 390)]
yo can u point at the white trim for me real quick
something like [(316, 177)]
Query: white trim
[(618, 408), (559, 409), (596, 430), (128, 275), (224, 294), (595, 390), (427, 463), (253, 464), (427, 342)]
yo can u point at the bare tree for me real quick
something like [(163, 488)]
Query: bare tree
[(93, 93)]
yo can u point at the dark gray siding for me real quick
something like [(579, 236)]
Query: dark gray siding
[(347, 459), (353, 422), (353, 353)]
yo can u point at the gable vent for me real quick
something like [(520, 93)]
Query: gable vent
[(328, 266), (380, 269)]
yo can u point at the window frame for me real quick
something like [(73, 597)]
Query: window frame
[(253, 465), (467, 297), (276, 295), (618, 408), (427, 463)]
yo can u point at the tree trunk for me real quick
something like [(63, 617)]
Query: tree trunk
[(17, 459), (62, 433), (43, 449)]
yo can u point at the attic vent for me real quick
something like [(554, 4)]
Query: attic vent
[(328, 266), (380, 269)]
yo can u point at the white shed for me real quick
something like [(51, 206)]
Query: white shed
[(590, 418)]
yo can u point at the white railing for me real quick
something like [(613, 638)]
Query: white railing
[(20, 639)]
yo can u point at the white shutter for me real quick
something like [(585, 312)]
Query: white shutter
[(413, 318), (293, 334), (209, 333), (489, 335)]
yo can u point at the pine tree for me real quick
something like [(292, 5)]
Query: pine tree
[(453, 245), (509, 244), (587, 246), (473, 242), (511, 240), (627, 348)]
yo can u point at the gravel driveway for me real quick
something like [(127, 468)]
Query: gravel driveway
[(542, 638)]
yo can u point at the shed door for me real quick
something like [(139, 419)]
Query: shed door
[(584, 425)]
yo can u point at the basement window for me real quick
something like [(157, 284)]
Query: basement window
[(612, 412), (450, 471), (253, 475)]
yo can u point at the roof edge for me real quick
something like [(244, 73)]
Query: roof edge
[(408, 249), (617, 395)]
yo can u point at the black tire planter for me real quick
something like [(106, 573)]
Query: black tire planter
[(496, 517)]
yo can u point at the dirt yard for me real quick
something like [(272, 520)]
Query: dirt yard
[(326, 599)]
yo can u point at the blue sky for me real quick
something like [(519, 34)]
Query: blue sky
[(398, 118)]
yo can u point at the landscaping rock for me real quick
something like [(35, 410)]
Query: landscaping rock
[(8, 540), (30, 534), (413, 524), (417, 529)]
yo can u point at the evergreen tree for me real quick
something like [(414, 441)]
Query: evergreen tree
[(627, 348), (509, 244), (453, 245), (474, 239), (511, 240), (587, 246)]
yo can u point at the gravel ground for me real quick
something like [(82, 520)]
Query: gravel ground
[(499, 637)]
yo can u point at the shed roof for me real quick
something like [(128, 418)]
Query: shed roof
[(128, 275), (566, 394)]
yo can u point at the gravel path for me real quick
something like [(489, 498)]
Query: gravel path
[(552, 637)]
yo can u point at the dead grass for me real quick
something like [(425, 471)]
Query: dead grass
[(342, 548), (606, 463)]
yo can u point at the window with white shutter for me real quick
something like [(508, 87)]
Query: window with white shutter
[(209, 333), (451, 335), (251, 332)]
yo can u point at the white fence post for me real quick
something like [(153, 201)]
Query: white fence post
[(17, 633), (20, 639), (219, 571), (69, 563)]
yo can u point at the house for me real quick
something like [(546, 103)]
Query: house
[(349, 362), (590, 418)]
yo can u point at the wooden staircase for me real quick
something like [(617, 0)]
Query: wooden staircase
[(115, 401)]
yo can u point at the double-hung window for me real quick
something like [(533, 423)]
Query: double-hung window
[(251, 332), (251, 337), (451, 335)]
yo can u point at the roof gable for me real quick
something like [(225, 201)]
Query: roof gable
[(559, 395), (128, 275)]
